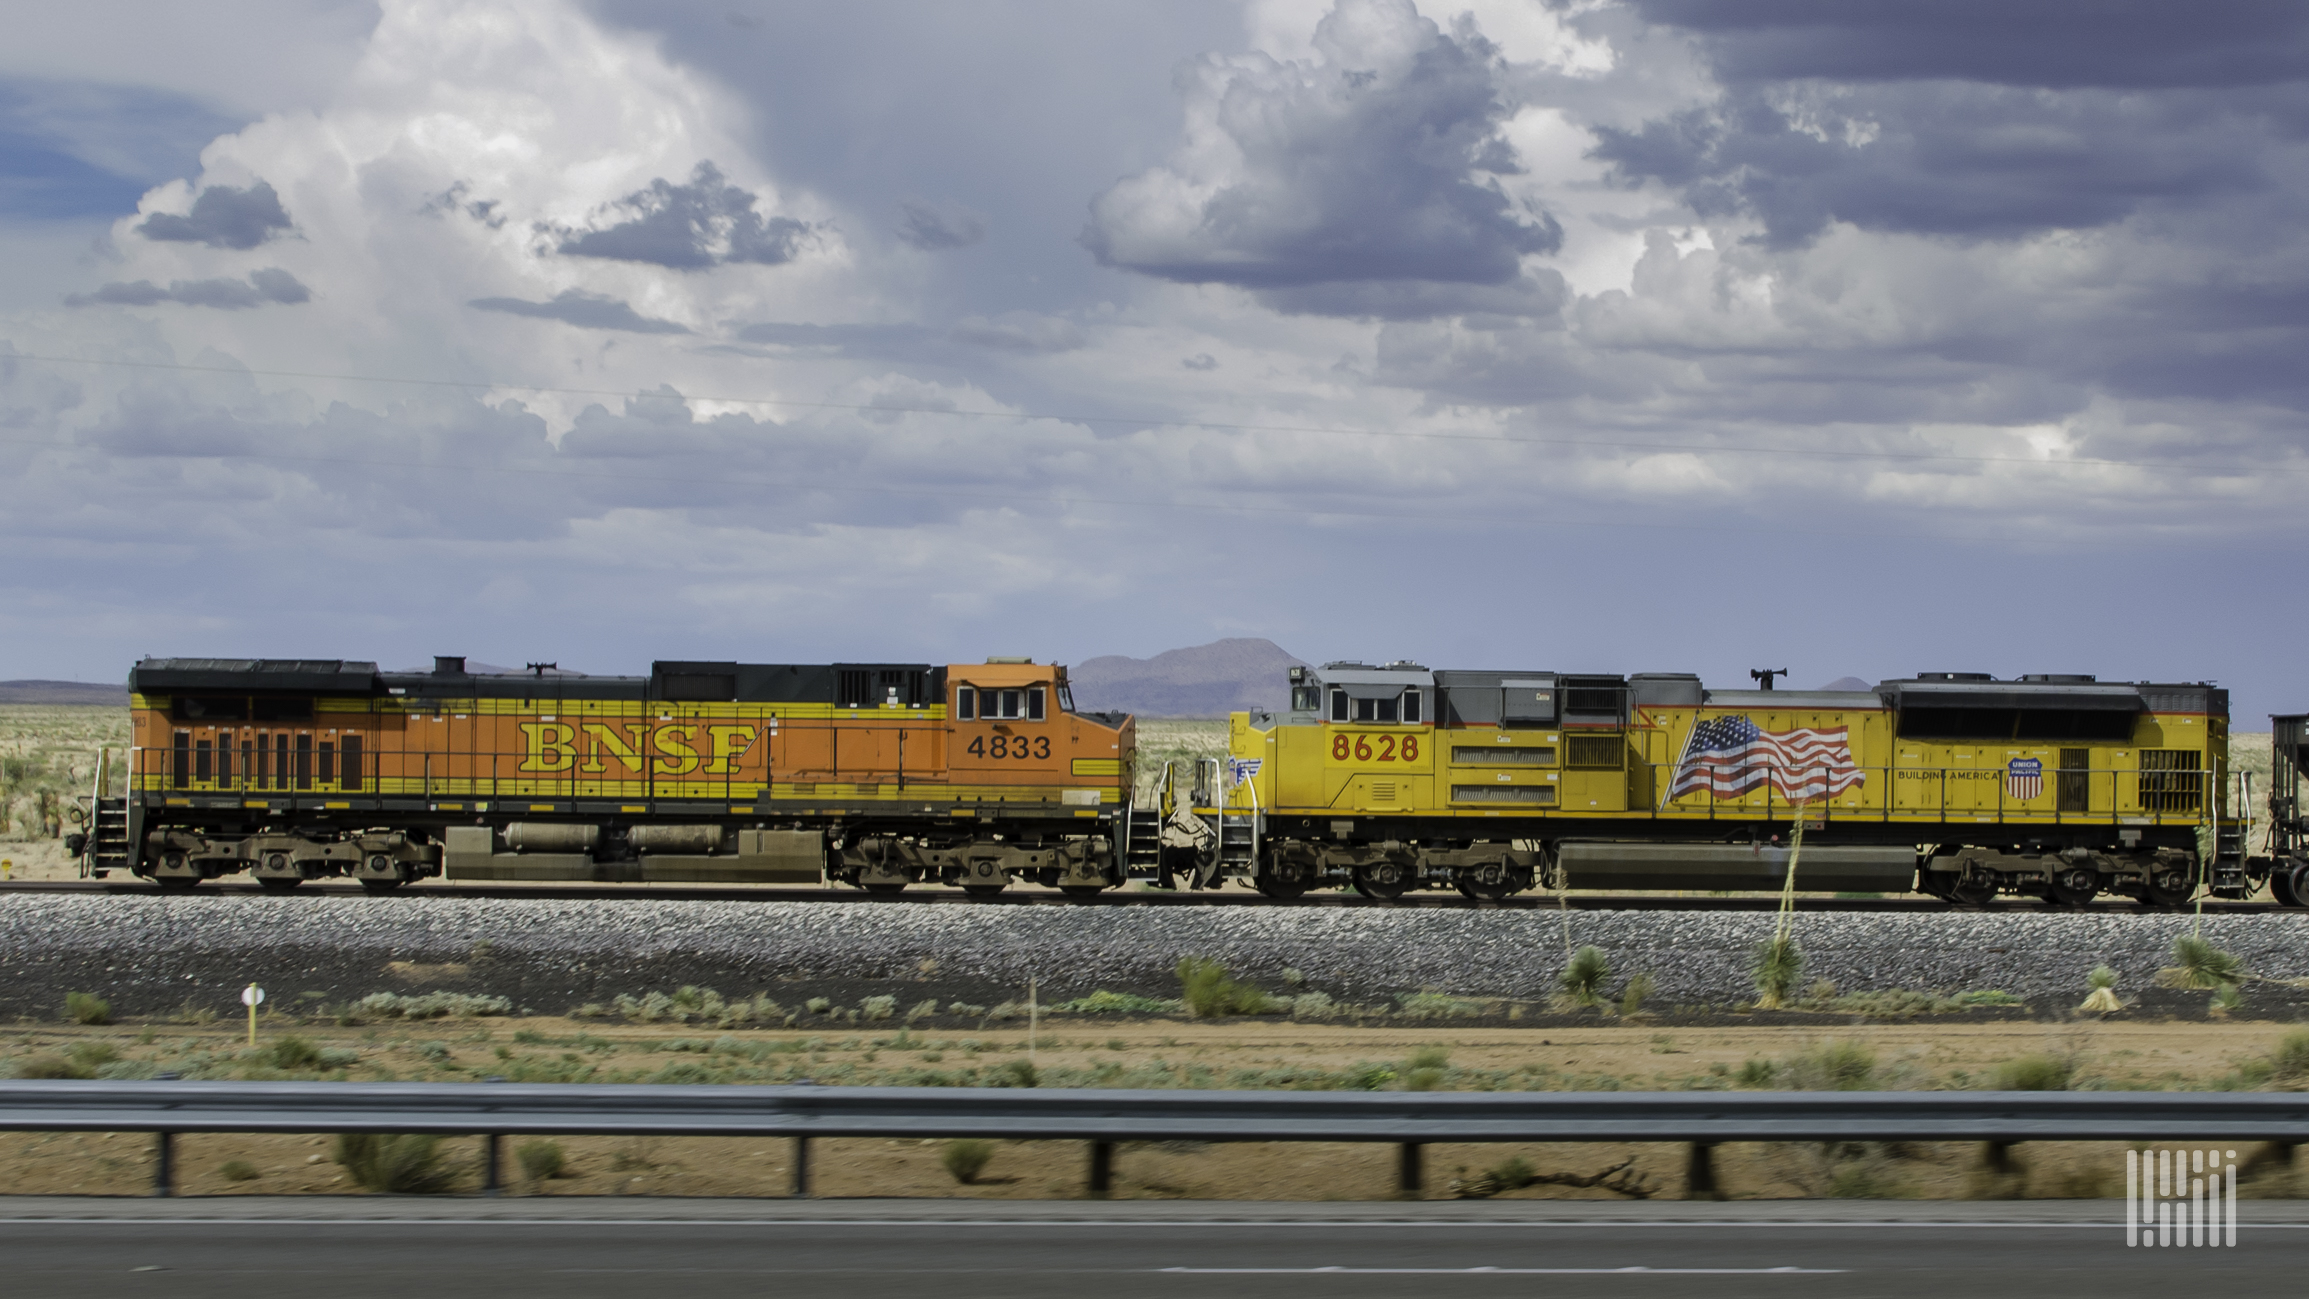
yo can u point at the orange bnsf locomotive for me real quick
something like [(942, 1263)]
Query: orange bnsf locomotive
[(877, 775)]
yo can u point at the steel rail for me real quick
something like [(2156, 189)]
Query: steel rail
[(1438, 900)]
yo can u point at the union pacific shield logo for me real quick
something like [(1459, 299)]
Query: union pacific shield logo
[(2023, 778)]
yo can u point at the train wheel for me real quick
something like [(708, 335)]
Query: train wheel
[(382, 885), (1385, 881), (1281, 890), (278, 883), (1491, 883), (2074, 888), (983, 890), (2289, 883), (1082, 890), (2168, 889), (176, 883)]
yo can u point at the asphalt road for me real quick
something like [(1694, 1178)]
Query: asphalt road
[(705, 1249)]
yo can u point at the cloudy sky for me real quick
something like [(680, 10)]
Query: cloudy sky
[(1846, 337)]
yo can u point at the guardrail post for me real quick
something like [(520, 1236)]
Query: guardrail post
[(801, 1168), (493, 1181), (1700, 1172), (1101, 1167), (1410, 1179), (164, 1163)]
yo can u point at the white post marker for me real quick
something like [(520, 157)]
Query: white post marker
[(252, 996)]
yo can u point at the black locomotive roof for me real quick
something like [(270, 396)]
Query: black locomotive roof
[(917, 684), (309, 676)]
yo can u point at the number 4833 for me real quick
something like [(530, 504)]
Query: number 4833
[(1375, 748)]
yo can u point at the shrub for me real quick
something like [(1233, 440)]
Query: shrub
[(1210, 992), (92, 1056), (1778, 964), (1757, 1073), (2291, 1058), (1313, 1005), (2103, 998), (399, 1163), (540, 1159), (1103, 1002), (87, 1008), (878, 1007), (2227, 997), (1513, 1174), (49, 1066), (1832, 1067), (1436, 1005), (1013, 1073), (965, 1010), (238, 1170), (2199, 964), (293, 1053), (818, 1005), (921, 1010), (2033, 1073), (430, 1005), (1632, 996), (1583, 976), (965, 1159), (1426, 1069)]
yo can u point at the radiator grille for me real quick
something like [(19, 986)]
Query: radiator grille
[(1541, 795), (1503, 754)]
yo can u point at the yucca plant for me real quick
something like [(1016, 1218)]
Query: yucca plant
[(1778, 966), (1583, 976), (2104, 993), (2228, 997), (2203, 965)]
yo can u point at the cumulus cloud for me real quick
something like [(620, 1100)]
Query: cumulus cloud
[(584, 310), (706, 222), (268, 287), (925, 227), (1954, 158), (2065, 44), (1341, 184), (222, 217)]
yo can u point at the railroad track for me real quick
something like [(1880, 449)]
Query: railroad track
[(1035, 897)]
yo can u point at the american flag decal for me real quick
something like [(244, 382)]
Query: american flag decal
[(1730, 756), (2023, 778)]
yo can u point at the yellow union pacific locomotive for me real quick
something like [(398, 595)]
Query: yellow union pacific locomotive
[(878, 775), (1389, 778)]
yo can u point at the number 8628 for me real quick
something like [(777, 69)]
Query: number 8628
[(1375, 748)]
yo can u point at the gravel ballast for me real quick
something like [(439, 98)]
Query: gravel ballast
[(153, 955)]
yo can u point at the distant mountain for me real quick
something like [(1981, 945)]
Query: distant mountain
[(1206, 681), (1848, 683), (62, 692)]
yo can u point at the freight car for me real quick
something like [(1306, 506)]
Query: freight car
[(1392, 777), (874, 774)]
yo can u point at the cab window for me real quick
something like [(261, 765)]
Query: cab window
[(966, 703), (1375, 710)]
